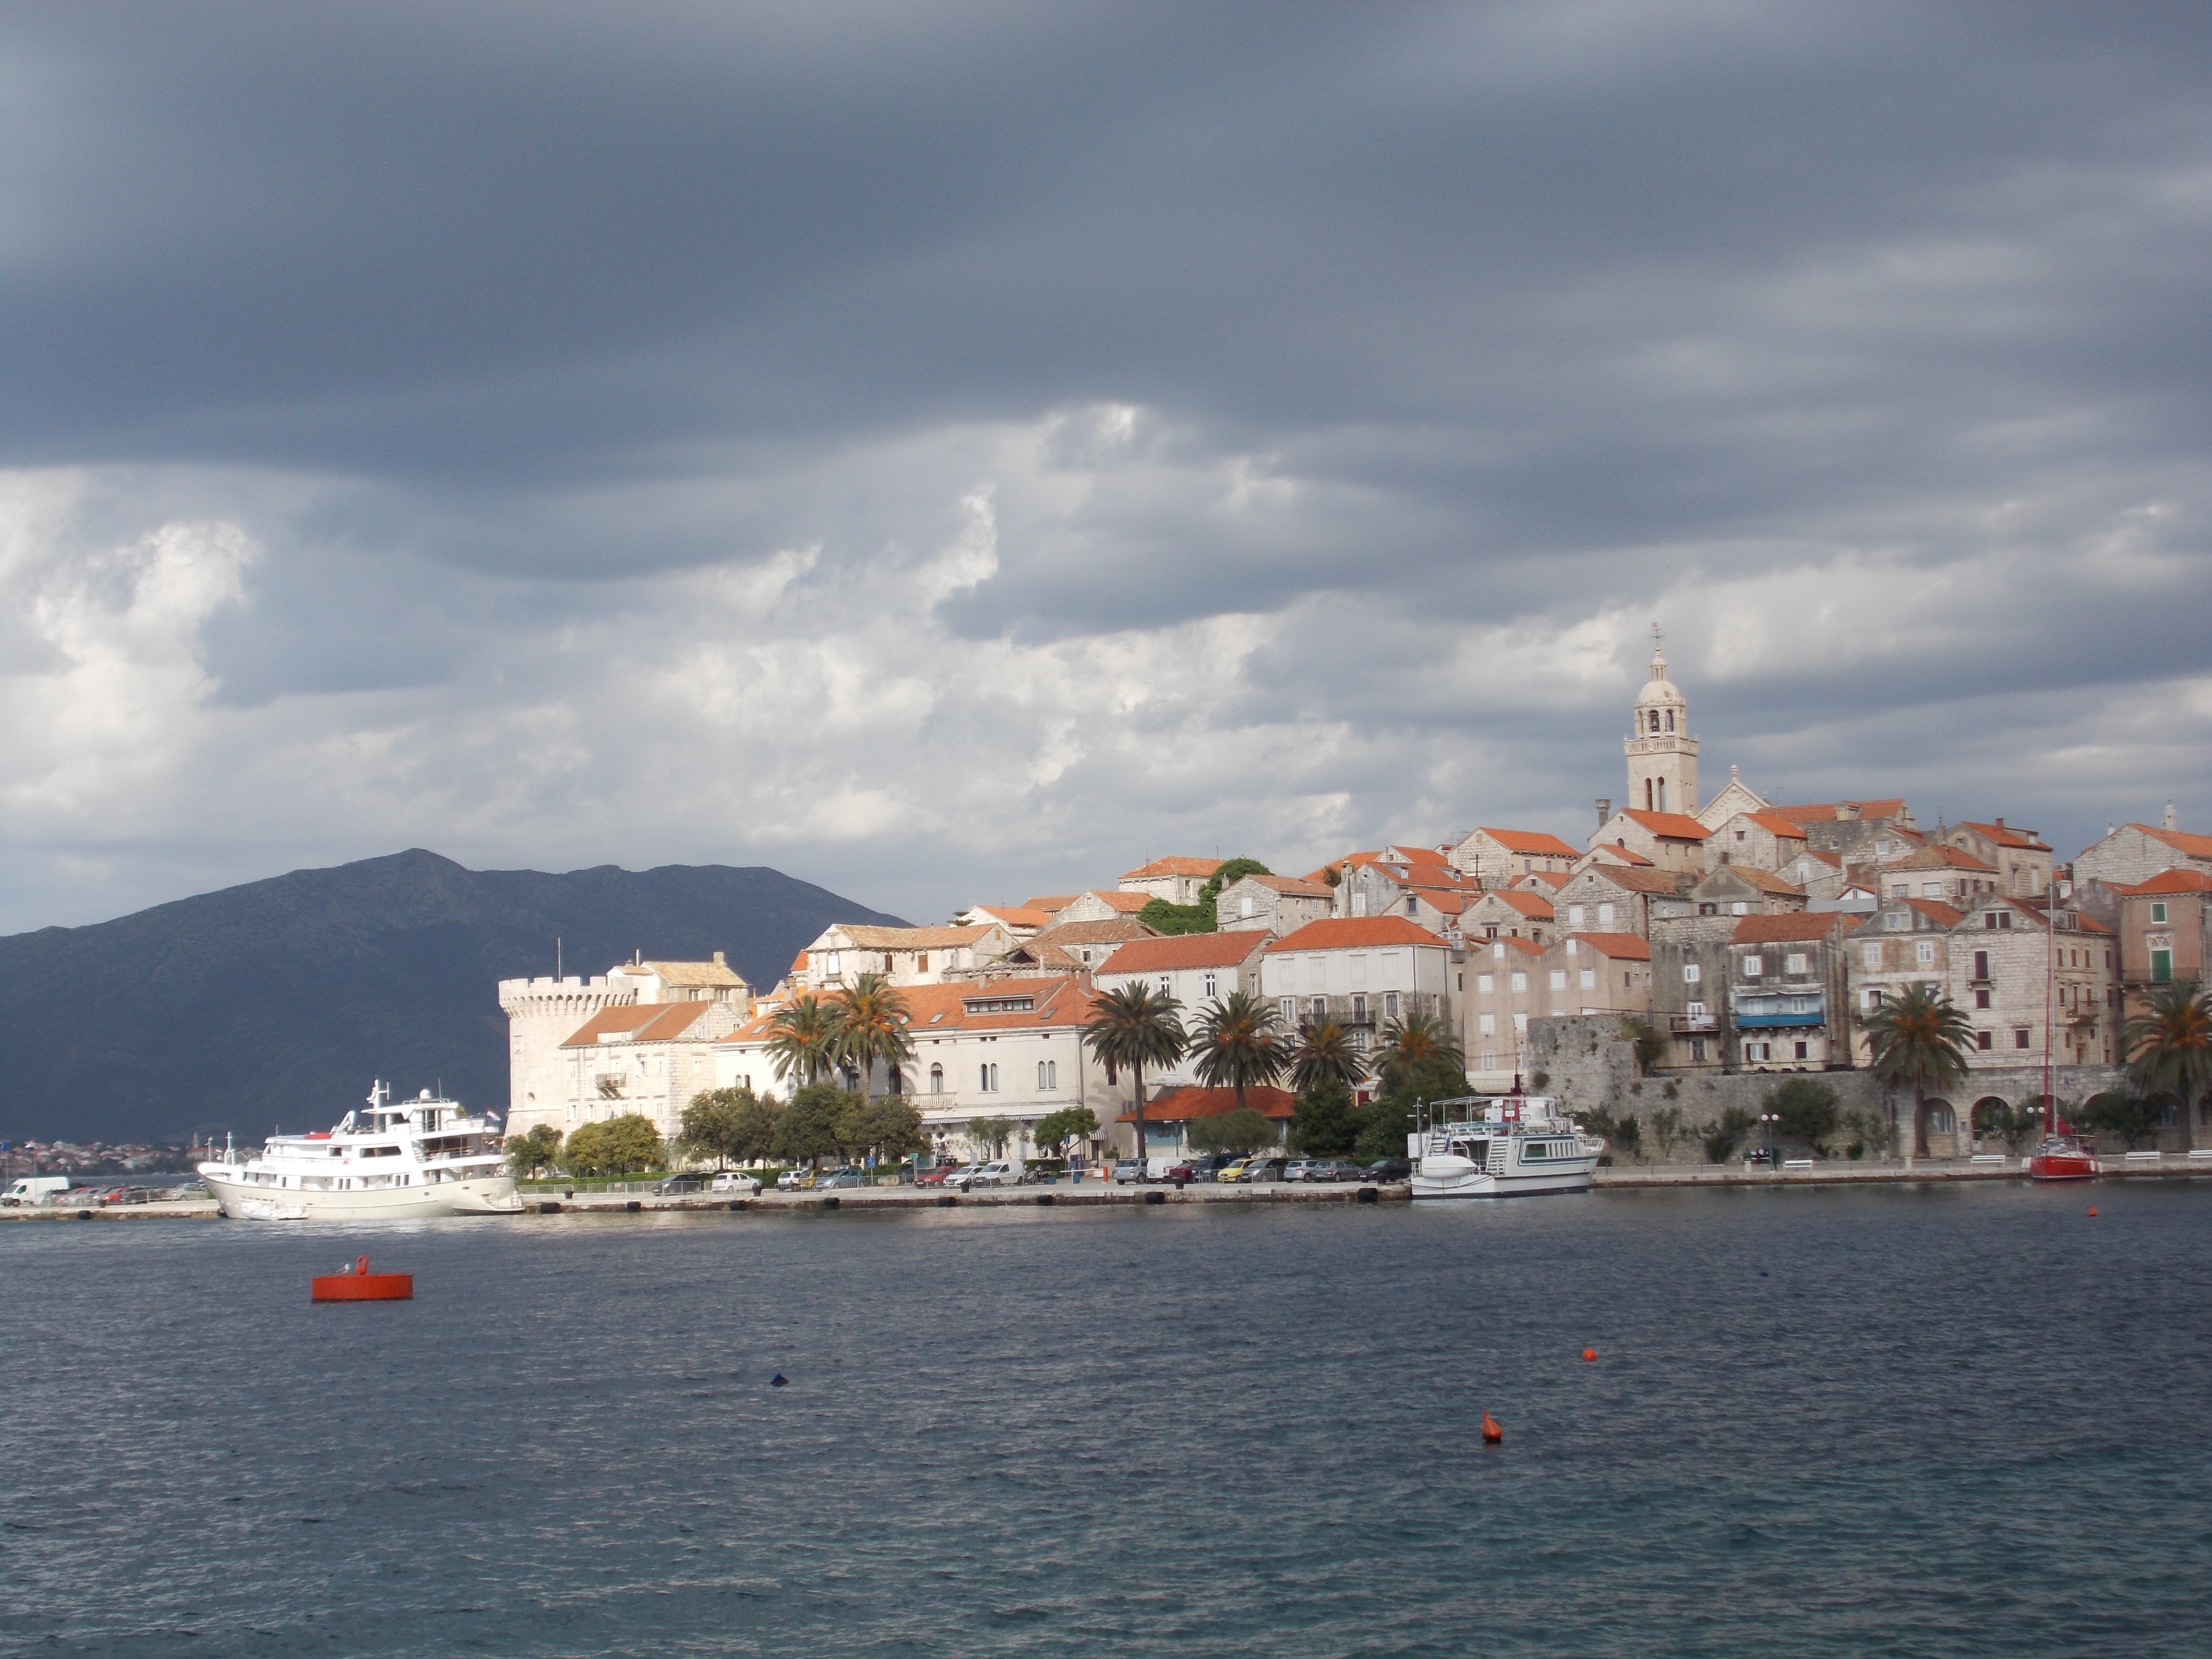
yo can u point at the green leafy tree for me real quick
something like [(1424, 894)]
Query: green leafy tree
[(1873, 1131), (812, 1127), (871, 1027), (615, 1145), (1808, 1109), (1920, 1039), (1725, 1133), (1135, 1026), (1240, 1131), (1323, 1051), (1055, 1129), (803, 1038), (1650, 1047), (1177, 919), (714, 1125), (1239, 1044), (2135, 1118), (1666, 1130), (991, 1133), (2169, 1049), (2016, 1126), (1227, 875), (1326, 1123), (886, 1126), (538, 1149), (1421, 1043)]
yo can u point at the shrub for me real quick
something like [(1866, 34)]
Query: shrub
[(1326, 1123), (1806, 1107), (614, 1145), (1725, 1133), (1230, 1132)]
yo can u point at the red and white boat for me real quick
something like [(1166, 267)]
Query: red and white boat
[(2062, 1157)]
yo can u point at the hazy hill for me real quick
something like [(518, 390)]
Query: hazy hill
[(278, 1002)]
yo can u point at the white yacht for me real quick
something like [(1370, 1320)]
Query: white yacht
[(423, 1157), (1500, 1146)]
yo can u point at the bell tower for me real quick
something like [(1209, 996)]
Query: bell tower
[(1662, 756)]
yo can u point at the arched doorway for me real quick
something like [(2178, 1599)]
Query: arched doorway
[(1943, 1137)]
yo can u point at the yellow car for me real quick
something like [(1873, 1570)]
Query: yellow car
[(1233, 1172)]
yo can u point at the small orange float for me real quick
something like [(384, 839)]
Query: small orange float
[(2092, 1209), (1493, 1435), (1590, 1356), (357, 1284)]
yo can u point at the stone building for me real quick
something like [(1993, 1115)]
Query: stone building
[(1661, 755), (1362, 973), (1102, 904), (1627, 900), (1018, 919), (1195, 969), (1505, 986), (1669, 841), (649, 1057), (1495, 857), (2020, 857), (1861, 832), (1274, 904), (1381, 884), (1177, 880), (1744, 889), (2159, 928), (907, 956), (1689, 989), (1067, 947), (1788, 991), (1764, 840), (1011, 1049), (2134, 853), (1946, 872), (1508, 912), (1598, 974), (2020, 973)]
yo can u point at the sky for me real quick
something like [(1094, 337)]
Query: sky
[(951, 452)]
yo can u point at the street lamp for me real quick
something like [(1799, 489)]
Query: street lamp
[(1770, 1119)]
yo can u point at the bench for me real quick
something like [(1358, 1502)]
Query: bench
[(2140, 1157), (1989, 1157), (1797, 1163), (2201, 1152)]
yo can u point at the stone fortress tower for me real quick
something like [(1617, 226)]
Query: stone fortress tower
[(541, 1013), (1662, 756)]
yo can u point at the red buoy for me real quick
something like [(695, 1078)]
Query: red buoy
[(357, 1284), (1590, 1356), (1492, 1434), (2092, 1209)]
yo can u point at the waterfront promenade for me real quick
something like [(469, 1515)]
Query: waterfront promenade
[(1092, 1195)]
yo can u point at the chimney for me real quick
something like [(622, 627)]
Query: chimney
[(719, 962), (2172, 820), (2000, 820), (1604, 811)]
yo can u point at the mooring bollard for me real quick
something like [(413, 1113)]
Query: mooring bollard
[(550, 1207)]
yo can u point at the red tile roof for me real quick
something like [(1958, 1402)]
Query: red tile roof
[(1555, 879), (1128, 904), (1936, 911), (1172, 866), (1181, 1105), (1940, 857), (1353, 932), (1534, 906), (639, 1022), (1059, 1003), (1530, 841), (2004, 835), (1527, 947), (1160, 956), (2197, 847), (1829, 811), (1621, 947), (1775, 824), (1626, 855), (1048, 901), (1671, 826), (1293, 886), (1765, 880), (1791, 929), (1107, 930), (2172, 881), (1014, 915), (1635, 881)]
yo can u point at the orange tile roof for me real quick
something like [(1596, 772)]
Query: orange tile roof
[(910, 938), (1828, 811), (1048, 901), (1353, 932), (1791, 929), (1620, 855), (1941, 858), (1765, 880), (1621, 947), (1165, 955), (1172, 866), (1447, 901), (941, 1009), (1671, 826), (2197, 847), (1181, 1105), (1107, 930), (1530, 841), (639, 1022), (1833, 860), (1014, 915), (1636, 881), (1527, 947), (1936, 910), (2004, 835), (1291, 886), (2171, 881), (1127, 903), (1555, 879), (1775, 824)]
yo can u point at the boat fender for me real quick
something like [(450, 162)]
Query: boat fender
[(947, 1201), (1590, 1356), (550, 1207), (1162, 1197), (1493, 1435), (1369, 1196), (633, 1205), (779, 1381)]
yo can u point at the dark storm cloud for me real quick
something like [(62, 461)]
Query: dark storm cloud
[(1867, 345)]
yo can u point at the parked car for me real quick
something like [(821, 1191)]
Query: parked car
[(1000, 1172), (1231, 1172), (1263, 1170), (679, 1183), (789, 1180), (729, 1180), (964, 1177), (1128, 1170), (837, 1178), (1388, 1169), (1334, 1169), (1301, 1169), (931, 1177)]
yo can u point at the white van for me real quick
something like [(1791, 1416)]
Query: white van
[(34, 1189)]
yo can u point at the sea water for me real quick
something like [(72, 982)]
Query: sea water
[(1912, 1419)]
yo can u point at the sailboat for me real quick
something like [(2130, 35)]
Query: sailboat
[(2062, 1157)]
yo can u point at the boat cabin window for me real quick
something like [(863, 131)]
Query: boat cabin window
[(1534, 1149)]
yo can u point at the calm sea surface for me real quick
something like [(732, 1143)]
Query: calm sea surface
[(1911, 1421)]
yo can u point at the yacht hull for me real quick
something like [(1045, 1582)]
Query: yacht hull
[(1455, 1177), (243, 1201)]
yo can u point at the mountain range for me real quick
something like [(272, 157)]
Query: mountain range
[(276, 1003)]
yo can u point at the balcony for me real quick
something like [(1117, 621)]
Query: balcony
[(1770, 1013), (1692, 1024)]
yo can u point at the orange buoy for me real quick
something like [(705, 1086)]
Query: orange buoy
[(357, 1284), (1492, 1434), (1589, 1355), (2092, 1209)]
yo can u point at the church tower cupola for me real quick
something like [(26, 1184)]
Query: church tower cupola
[(1662, 756)]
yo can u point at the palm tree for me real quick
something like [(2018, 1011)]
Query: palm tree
[(1324, 1054), (1920, 1038), (1238, 1043), (2169, 1049), (1416, 1040), (871, 1026), (805, 1038), (1133, 1025)]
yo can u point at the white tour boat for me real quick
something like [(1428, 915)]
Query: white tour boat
[(1500, 1146), (420, 1157)]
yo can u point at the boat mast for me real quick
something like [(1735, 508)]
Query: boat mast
[(2050, 974)]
